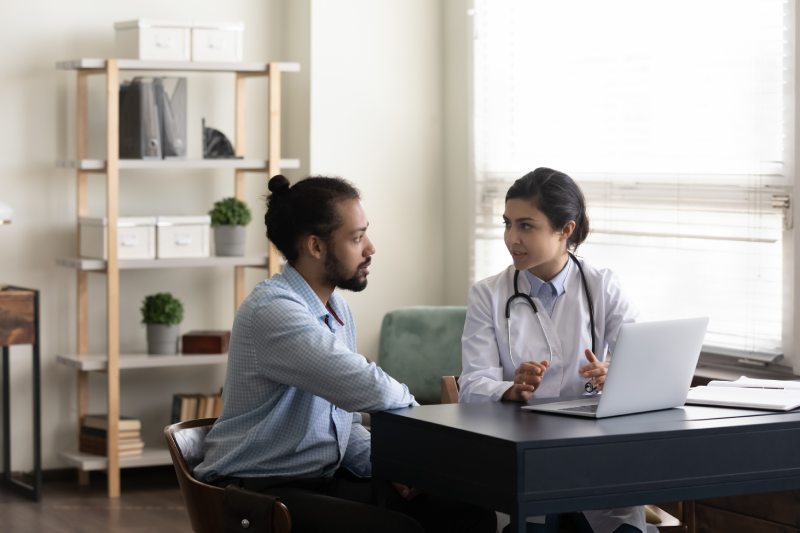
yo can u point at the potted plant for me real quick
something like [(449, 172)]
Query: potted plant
[(162, 313), (229, 218)]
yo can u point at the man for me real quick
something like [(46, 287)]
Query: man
[(290, 424)]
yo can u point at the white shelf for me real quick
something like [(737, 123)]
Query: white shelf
[(97, 362), (99, 165), (138, 64), (88, 461), (99, 265)]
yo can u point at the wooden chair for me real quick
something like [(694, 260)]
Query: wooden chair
[(654, 514), (204, 502)]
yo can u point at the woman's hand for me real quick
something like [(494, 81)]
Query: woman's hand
[(526, 380), (595, 371)]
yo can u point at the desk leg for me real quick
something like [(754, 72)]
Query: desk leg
[(518, 523), (6, 419), (37, 410), (33, 491), (688, 509)]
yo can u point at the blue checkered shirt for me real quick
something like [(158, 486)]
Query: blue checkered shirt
[(294, 388)]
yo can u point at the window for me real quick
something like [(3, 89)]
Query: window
[(676, 118)]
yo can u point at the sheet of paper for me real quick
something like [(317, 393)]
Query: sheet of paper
[(744, 381), (754, 398)]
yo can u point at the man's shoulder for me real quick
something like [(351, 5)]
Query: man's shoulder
[(270, 292)]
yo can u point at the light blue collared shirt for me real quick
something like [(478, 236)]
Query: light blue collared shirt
[(294, 388), (549, 291)]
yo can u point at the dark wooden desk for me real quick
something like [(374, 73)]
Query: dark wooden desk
[(19, 324), (524, 464)]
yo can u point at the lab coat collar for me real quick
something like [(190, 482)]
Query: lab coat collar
[(558, 282)]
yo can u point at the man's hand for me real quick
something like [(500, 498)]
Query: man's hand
[(405, 492)]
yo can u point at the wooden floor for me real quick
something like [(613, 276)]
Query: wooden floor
[(151, 502)]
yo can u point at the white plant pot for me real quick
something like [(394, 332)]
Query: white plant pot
[(229, 240), (162, 339)]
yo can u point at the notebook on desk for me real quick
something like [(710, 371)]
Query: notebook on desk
[(652, 368), (773, 399)]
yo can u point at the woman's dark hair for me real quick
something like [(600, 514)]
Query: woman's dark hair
[(306, 208), (557, 196)]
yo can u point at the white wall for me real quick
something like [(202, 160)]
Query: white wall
[(459, 197), (38, 118), (371, 91), (376, 120)]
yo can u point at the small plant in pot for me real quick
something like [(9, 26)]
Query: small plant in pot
[(162, 313), (229, 218)]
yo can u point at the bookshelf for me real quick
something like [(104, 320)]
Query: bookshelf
[(113, 362)]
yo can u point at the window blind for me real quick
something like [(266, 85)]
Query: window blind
[(676, 118)]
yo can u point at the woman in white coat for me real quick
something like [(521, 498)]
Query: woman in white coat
[(543, 327)]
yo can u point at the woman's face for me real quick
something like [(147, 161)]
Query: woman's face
[(532, 241)]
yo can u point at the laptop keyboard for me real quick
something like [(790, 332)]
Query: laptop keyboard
[(582, 408)]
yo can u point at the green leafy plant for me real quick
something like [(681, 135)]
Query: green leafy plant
[(162, 308), (230, 212)]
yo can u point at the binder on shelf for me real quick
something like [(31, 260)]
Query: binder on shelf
[(152, 118)]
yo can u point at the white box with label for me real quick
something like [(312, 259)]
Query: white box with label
[(183, 236), (153, 39), (136, 237), (217, 42)]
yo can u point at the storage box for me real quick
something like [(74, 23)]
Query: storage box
[(136, 237), (153, 39), (217, 42), (183, 236), (205, 342)]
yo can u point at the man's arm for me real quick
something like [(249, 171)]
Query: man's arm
[(356, 457), (295, 349)]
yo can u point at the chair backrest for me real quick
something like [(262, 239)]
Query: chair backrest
[(449, 389), (418, 345), (204, 502)]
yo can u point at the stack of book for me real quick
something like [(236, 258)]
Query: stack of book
[(192, 406), (94, 433)]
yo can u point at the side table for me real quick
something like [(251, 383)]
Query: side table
[(19, 324)]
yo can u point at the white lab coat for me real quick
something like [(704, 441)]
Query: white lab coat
[(488, 367)]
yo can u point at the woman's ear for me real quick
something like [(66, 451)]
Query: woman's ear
[(566, 231)]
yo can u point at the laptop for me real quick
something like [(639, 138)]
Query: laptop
[(651, 368)]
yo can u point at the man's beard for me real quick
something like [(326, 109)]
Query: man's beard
[(336, 277)]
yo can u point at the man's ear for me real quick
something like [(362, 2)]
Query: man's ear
[(313, 246)]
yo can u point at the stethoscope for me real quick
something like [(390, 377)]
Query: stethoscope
[(589, 386)]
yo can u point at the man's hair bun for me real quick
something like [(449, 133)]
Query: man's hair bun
[(278, 184)]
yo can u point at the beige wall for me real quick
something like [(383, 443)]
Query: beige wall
[(371, 93), (376, 119)]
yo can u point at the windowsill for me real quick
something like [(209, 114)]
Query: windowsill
[(728, 368)]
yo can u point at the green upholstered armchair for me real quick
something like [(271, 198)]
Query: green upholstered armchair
[(419, 345)]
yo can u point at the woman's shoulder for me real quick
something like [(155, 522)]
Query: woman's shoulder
[(499, 279), (600, 273)]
